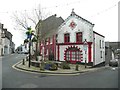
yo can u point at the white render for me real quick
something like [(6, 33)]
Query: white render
[(83, 27), (73, 51), (6, 45), (98, 50), (87, 30), (1, 46)]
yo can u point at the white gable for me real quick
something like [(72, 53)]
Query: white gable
[(79, 25)]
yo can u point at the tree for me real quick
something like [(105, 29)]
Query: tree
[(26, 18)]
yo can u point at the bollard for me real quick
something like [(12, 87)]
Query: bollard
[(77, 67), (23, 62)]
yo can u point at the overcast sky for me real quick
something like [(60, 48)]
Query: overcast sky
[(102, 13)]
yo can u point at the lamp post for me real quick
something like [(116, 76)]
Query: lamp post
[(85, 49)]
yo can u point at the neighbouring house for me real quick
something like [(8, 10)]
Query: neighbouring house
[(7, 44), (112, 51), (1, 42), (12, 47), (63, 40), (46, 30), (22, 49)]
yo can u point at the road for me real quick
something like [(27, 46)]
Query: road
[(105, 78)]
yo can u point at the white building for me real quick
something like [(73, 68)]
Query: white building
[(68, 42), (1, 45), (6, 44)]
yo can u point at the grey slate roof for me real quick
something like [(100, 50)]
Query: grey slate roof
[(8, 34), (49, 26)]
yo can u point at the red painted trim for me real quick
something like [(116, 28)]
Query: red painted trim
[(58, 53), (55, 47), (73, 61), (53, 44), (77, 43), (79, 37), (66, 38), (48, 46), (70, 56), (40, 49), (89, 52)]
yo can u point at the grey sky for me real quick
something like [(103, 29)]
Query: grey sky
[(103, 13)]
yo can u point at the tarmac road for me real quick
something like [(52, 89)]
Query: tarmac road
[(105, 78)]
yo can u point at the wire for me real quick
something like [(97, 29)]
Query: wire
[(105, 10), (56, 6), (67, 4)]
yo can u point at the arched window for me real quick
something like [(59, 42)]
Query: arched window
[(73, 54)]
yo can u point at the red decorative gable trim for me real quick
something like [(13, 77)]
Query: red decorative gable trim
[(78, 43), (70, 51), (72, 25)]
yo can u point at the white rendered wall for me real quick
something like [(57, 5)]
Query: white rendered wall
[(6, 42), (81, 26), (64, 47), (98, 50)]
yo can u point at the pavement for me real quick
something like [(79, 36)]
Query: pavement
[(19, 66)]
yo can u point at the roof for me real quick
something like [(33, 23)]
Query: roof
[(98, 34), (73, 13), (49, 26), (7, 34)]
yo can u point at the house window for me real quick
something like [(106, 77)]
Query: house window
[(79, 37), (56, 38), (66, 37), (50, 40), (103, 44), (101, 54), (46, 41), (100, 43)]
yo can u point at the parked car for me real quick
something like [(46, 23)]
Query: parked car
[(114, 63), (26, 52), (19, 52)]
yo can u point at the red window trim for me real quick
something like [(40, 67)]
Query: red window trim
[(77, 56), (79, 37), (66, 38)]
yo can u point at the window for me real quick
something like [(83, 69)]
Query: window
[(73, 54), (79, 37), (46, 41), (56, 38), (100, 43), (66, 37), (103, 44), (101, 54)]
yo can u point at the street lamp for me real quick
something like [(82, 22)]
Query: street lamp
[(85, 49)]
